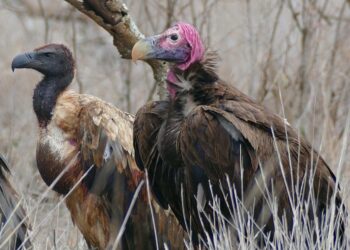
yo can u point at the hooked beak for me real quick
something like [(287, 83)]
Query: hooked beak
[(143, 49), (150, 48), (24, 60)]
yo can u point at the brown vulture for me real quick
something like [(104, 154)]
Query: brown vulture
[(208, 132), (11, 214), (83, 137)]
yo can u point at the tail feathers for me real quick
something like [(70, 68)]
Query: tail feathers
[(9, 219)]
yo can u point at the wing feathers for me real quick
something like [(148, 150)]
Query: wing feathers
[(8, 202), (107, 144), (209, 141)]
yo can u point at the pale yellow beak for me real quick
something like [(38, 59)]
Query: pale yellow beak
[(140, 50)]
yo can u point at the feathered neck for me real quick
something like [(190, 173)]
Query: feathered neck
[(46, 94), (198, 73)]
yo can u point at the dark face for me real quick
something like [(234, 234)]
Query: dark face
[(50, 60)]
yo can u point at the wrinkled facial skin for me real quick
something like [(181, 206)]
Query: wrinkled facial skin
[(169, 46), (173, 46), (180, 44)]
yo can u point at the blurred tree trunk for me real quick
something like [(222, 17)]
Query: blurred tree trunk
[(112, 15)]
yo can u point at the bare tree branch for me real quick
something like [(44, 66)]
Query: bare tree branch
[(112, 15)]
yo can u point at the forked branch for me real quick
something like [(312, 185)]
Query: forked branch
[(113, 16)]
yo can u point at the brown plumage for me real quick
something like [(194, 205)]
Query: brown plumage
[(208, 131), (83, 135), (9, 218)]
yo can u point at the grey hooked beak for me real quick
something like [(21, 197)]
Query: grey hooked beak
[(23, 60)]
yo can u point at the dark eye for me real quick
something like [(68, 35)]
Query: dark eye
[(174, 37), (48, 54)]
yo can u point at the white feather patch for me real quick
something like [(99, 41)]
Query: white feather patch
[(183, 83), (189, 105), (56, 140)]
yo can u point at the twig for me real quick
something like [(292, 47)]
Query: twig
[(74, 41), (251, 45), (128, 86), (46, 21), (49, 188), (58, 204), (262, 92), (335, 43), (151, 209), (295, 16), (122, 227)]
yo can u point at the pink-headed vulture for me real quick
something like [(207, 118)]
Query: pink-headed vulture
[(14, 224), (208, 139), (86, 144)]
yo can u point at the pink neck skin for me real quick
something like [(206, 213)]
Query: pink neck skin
[(191, 38), (171, 82)]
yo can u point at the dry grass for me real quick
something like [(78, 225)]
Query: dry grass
[(242, 231), (298, 47)]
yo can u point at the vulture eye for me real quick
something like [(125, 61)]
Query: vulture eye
[(47, 54), (174, 37)]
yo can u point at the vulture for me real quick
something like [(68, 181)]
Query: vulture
[(11, 214), (208, 141), (85, 152)]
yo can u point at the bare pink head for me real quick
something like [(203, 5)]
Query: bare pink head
[(180, 44)]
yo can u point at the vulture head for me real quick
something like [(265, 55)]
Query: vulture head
[(180, 44), (52, 60)]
